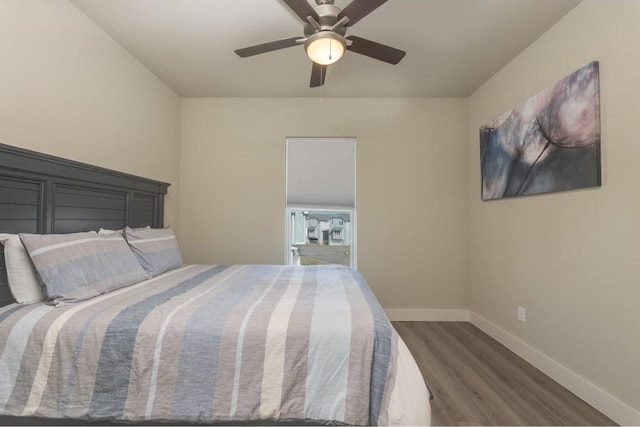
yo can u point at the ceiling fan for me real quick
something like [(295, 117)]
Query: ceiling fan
[(324, 40)]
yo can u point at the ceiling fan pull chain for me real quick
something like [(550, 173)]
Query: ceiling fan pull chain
[(322, 70)]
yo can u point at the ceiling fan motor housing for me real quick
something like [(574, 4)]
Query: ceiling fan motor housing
[(328, 16)]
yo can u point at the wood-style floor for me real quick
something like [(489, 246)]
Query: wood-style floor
[(478, 381)]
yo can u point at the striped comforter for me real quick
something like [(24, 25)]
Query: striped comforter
[(214, 344)]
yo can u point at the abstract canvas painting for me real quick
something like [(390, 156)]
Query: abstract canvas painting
[(550, 142)]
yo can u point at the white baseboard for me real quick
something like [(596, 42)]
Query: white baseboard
[(615, 409), (427, 315)]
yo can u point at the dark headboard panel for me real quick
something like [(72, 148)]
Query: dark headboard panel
[(46, 194)]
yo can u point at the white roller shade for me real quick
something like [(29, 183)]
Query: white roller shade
[(321, 171)]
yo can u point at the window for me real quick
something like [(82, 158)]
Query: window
[(320, 210)]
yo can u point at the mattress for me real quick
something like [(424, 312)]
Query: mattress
[(214, 344)]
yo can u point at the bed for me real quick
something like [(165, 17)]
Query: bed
[(211, 344)]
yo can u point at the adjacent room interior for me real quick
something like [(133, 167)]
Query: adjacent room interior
[(153, 88)]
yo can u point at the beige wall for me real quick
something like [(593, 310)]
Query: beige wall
[(68, 89), (570, 258), (411, 187)]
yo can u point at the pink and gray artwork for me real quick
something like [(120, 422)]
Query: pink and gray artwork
[(550, 142)]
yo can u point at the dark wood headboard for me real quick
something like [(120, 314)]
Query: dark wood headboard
[(46, 194)]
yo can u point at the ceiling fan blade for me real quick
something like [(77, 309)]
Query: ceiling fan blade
[(267, 47), (318, 74), (358, 9), (375, 50), (302, 9)]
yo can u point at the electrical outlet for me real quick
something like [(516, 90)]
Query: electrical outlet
[(522, 314)]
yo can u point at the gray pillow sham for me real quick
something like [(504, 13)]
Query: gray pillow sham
[(156, 248), (78, 266)]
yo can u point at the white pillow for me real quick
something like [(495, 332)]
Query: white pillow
[(105, 231), (23, 282)]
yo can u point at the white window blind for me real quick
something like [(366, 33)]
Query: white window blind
[(321, 171)]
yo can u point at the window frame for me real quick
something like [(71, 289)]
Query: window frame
[(288, 255)]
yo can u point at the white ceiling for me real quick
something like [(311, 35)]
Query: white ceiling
[(453, 46)]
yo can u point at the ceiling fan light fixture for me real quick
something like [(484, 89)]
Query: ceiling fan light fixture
[(325, 47)]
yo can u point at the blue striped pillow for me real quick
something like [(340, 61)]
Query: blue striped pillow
[(156, 248), (78, 266)]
